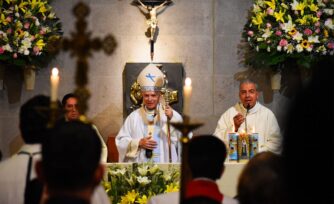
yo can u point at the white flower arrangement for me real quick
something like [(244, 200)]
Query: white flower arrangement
[(137, 183)]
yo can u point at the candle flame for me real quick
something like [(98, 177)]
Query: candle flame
[(187, 81), (55, 71)]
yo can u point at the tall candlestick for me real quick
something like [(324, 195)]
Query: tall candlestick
[(187, 89), (54, 83)]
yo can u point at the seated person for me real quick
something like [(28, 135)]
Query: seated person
[(207, 155), (143, 136), (257, 117), (70, 106), (70, 168)]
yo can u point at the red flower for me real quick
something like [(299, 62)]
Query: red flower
[(308, 31)]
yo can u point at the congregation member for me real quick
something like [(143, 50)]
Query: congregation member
[(70, 168), (249, 112), (143, 136), (17, 171), (70, 106), (207, 155), (261, 180)]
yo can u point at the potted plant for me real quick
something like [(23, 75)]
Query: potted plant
[(27, 30), (288, 36)]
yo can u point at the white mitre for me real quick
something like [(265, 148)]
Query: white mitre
[(151, 78)]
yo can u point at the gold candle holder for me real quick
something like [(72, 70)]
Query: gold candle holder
[(185, 128)]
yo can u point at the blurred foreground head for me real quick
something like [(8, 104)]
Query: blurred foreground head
[(71, 158), (261, 180), (207, 154)]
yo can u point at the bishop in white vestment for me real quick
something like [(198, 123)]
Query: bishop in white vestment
[(144, 136)]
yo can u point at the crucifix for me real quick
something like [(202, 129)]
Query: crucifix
[(151, 9), (81, 46)]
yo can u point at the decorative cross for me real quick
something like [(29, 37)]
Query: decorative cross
[(81, 46), (150, 77)]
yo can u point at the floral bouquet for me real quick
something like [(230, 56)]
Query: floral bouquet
[(137, 183), (27, 31), (281, 30)]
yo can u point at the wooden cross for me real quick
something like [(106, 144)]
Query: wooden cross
[(81, 46)]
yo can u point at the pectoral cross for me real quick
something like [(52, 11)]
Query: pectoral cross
[(81, 46)]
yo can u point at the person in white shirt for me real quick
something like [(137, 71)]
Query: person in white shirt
[(249, 115), (144, 136), (14, 171)]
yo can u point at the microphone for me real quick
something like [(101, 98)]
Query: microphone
[(149, 153), (247, 108)]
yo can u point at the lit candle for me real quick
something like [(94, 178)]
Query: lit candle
[(187, 89), (233, 146), (253, 129), (54, 83)]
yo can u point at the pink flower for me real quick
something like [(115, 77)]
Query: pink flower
[(42, 31), (278, 32), (250, 33), (270, 11), (2, 50), (330, 45), (317, 24), (319, 13), (268, 25), (26, 25), (308, 31), (9, 19), (15, 55), (9, 31), (283, 42), (32, 38), (36, 50), (317, 30)]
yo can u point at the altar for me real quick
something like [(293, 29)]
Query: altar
[(227, 184), (229, 181)]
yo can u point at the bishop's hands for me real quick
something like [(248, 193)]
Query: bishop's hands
[(147, 143), (169, 112), (238, 120)]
